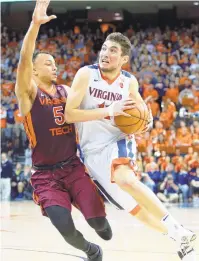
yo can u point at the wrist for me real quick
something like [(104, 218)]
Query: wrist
[(110, 111), (106, 112), (35, 24)]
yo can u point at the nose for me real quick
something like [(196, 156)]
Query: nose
[(55, 68)]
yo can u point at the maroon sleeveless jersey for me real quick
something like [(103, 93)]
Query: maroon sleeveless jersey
[(51, 138)]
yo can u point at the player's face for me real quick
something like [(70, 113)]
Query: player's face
[(45, 68), (111, 58)]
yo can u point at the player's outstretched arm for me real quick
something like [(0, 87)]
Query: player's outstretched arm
[(25, 88), (78, 90)]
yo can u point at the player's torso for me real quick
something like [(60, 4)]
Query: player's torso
[(52, 139), (94, 135)]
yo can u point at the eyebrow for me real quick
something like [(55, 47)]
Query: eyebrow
[(113, 46)]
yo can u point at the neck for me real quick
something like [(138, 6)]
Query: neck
[(47, 86), (110, 75)]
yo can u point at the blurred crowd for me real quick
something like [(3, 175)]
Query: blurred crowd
[(166, 64)]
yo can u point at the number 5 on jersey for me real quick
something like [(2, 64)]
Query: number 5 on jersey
[(58, 115)]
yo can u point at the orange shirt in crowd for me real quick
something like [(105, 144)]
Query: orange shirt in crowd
[(12, 44), (166, 117), (183, 79), (188, 157), (3, 115), (179, 130), (172, 94), (179, 166), (175, 159), (155, 108), (160, 146), (155, 132), (184, 139), (162, 162), (195, 136), (195, 107), (148, 92)]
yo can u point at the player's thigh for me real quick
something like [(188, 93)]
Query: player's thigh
[(85, 195), (47, 191), (100, 168)]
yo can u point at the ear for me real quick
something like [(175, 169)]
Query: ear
[(35, 72), (125, 59)]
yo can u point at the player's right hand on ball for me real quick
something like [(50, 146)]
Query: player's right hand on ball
[(118, 107)]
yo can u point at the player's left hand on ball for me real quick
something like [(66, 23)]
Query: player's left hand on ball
[(149, 123)]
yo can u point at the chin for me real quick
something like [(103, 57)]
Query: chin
[(54, 81), (106, 69)]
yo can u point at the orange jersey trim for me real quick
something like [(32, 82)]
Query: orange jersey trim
[(135, 210), (118, 162), (30, 130)]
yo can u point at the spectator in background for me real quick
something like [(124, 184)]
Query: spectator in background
[(145, 178), (168, 190), (194, 184), (27, 188), (6, 175), (10, 121), (3, 115), (183, 183), (28, 158), (184, 139), (15, 182)]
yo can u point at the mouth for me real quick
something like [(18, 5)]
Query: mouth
[(104, 61)]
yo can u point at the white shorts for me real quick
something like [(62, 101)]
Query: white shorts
[(99, 167)]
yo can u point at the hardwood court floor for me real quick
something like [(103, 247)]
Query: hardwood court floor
[(27, 236)]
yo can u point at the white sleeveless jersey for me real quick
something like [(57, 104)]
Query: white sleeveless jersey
[(95, 135)]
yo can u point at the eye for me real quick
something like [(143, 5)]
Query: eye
[(113, 50), (103, 48)]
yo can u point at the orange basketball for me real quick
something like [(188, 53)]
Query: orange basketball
[(137, 122)]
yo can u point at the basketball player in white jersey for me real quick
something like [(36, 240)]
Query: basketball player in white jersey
[(98, 93)]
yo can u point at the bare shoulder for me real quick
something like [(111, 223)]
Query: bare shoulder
[(83, 72), (134, 86), (67, 88)]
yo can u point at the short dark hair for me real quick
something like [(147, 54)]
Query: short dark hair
[(36, 54), (122, 40)]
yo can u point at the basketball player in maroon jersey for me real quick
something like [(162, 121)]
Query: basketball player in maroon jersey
[(58, 178)]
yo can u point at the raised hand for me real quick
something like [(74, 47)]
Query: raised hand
[(39, 15)]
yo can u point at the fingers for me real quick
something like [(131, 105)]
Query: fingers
[(149, 107), (124, 108), (125, 114), (129, 100), (128, 103), (52, 17), (145, 129)]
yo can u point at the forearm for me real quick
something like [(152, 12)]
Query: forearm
[(76, 115), (28, 46)]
